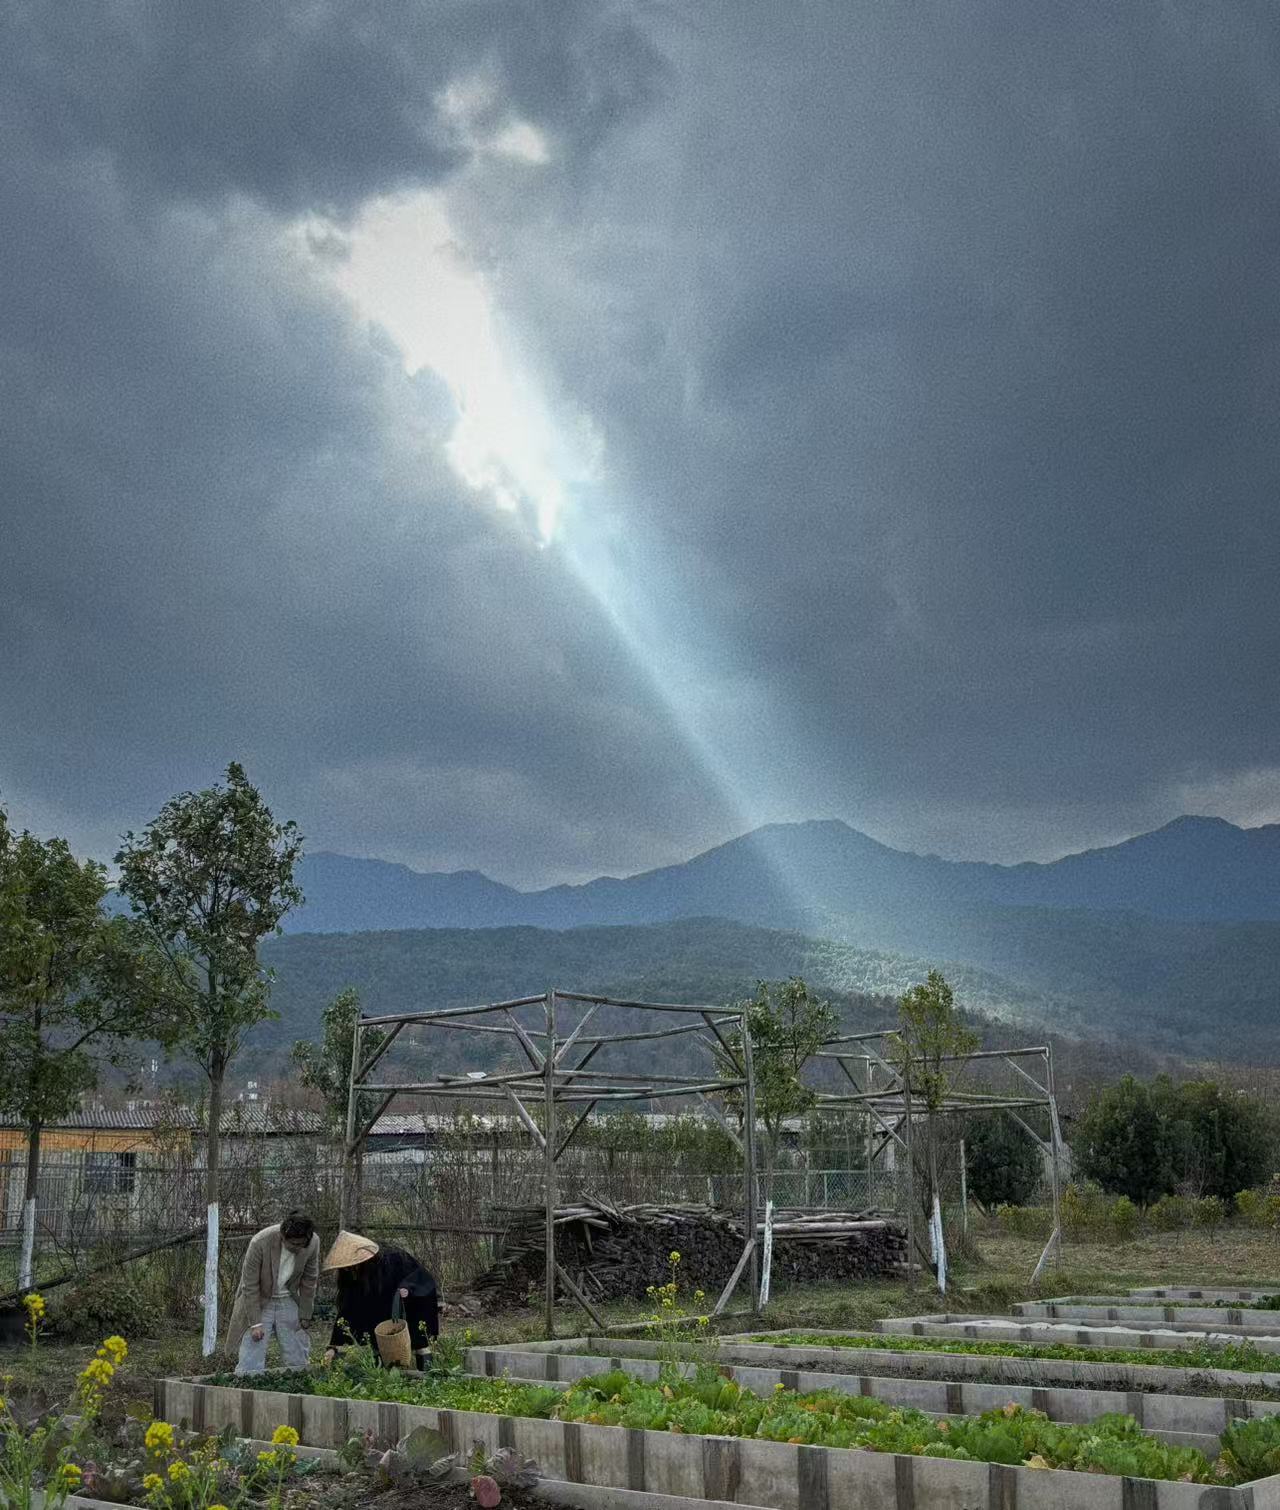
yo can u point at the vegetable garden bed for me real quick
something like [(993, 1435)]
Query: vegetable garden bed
[(1062, 1363), (1164, 1336), (1237, 1318), (1184, 1420), (1182, 1292), (910, 1460)]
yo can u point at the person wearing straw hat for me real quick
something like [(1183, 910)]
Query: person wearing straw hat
[(276, 1293), (378, 1288)]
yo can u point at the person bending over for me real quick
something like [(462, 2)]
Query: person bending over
[(276, 1293), (369, 1280)]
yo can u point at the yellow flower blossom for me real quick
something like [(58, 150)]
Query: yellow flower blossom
[(285, 1436), (151, 1482), (674, 1256), (159, 1437), (71, 1473), (114, 1348), (178, 1471)]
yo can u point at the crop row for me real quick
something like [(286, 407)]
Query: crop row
[(1242, 1356), (710, 1405)]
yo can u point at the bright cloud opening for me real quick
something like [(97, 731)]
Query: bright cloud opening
[(405, 272)]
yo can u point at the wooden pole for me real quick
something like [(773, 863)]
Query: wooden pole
[(1055, 1171), (911, 1182), (549, 1159), (348, 1142), (749, 1159)]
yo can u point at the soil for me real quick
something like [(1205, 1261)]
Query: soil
[(354, 1492)]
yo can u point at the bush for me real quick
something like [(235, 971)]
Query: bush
[(1025, 1221), (1171, 1213), (110, 1304), (1124, 1218), (1003, 1166), (1258, 1208), (1210, 1213)]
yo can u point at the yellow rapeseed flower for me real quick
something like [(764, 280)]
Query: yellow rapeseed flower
[(674, 1256), (285, 1436), (159, 1437), (151, 1482), (178, 1471), (115, 1348), (72, 1473)]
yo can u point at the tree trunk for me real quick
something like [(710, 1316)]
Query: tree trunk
[(213, 1149), (27, 1257)]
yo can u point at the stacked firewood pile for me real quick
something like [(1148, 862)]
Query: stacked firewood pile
[(616, 1253)]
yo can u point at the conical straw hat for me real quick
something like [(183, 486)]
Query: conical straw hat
[(349, 1248)]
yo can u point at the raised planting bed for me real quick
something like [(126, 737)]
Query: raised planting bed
[(1181, 1292), (1167, 1336), (1184, 1420), (1206, 1317), (885, 1459), (996, 1362)]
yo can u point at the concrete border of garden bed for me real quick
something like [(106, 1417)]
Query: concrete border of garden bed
[(731, 1469), (1182, 1420), (962, 1327), (1213, 1317), (1205, 1292), (1147, 1377)]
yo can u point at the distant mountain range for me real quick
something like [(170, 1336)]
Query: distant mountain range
[(1172, 937), (1193, 869)]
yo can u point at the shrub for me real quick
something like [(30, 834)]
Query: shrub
[(1003, 1166), (1171, 1213), (1124, 1218), (1210, 1213), (1025, 1221), (111, 1303), (1258, 1208)]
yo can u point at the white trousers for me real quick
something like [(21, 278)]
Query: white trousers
[(280, 1317)]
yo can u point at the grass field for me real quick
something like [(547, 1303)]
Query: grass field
[(999, 1276)]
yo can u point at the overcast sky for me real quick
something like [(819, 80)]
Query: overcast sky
[(552, 437)]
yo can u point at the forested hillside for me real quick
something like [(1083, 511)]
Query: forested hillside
[(699, 960)]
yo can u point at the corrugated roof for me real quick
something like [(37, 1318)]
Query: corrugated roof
[(140, 1117)]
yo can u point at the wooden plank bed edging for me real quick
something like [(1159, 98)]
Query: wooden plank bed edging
[(736, 1470)]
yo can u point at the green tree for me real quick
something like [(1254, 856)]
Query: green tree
[(209, 878), (929, 1038), (788, 1025), (1221, 1141), (75, 987), (1124, 1142), (1002, 1165), (325, 1067)]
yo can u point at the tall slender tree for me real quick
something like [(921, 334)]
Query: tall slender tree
[(325, 1067), (76, 986), (209, 878), (788, 1025), (930, 1036)]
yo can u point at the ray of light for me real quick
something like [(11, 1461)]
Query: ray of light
[(404, 273)]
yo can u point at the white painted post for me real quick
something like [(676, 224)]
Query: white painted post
[(938, 1245), (26, 1261), (767, 1261), (210, 1341)]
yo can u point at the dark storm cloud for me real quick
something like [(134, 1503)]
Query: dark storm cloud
[(934, 351), (958, 392), (316, 104), (229, 526)]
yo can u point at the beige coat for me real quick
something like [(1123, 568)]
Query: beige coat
[(258, 1276)]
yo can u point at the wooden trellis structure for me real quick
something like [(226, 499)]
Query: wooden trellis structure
[(879, 1087), (561, 1079)]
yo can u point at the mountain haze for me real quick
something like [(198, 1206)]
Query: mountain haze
[(1193, 869)]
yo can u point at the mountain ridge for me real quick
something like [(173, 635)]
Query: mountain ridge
[(1194, 868)]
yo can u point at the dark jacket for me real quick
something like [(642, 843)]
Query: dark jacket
[(367, 1291)]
